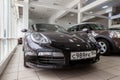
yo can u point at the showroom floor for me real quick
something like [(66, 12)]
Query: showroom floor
[(108, 68)]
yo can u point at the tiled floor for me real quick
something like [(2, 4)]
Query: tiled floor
[(108, 68)]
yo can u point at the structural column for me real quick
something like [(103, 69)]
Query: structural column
[(80, 16), (1, 29), (109, 20), (1, 19), (26, 14)]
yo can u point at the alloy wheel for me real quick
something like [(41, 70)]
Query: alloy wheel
[(103, 47)]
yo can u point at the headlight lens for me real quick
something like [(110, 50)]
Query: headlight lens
[(91, 38), (40, 38)]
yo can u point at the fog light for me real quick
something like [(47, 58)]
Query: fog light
[(44, 54), (30, 54), (58, 54), (54, 54)]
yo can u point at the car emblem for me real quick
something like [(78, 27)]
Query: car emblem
[(71, 40)]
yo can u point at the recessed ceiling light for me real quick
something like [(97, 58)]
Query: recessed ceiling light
[(91, 12), (105, 7)]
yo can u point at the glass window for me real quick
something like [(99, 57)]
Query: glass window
[(97, 27), (7, 43), (84, 26), (73, 29), (92, 27)]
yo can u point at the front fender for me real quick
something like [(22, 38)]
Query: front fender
[(107, 38)]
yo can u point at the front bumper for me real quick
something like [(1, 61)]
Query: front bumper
[(57, 62)]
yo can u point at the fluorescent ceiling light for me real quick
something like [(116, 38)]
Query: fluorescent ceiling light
[(105, 7)]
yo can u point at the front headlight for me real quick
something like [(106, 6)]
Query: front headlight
[(115, 34), (40, 38), (91, 38)]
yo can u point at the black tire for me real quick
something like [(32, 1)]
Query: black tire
[(25, 65), (107, 46)]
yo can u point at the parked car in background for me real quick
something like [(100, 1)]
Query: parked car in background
[(109, 40), (50, 46), (20, 40)]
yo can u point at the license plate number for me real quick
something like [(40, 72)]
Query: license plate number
[(82, 55)]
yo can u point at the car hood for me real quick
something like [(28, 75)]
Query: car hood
[(63, 37), (68, 41)]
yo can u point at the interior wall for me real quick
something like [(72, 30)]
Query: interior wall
[(34, 21), (67, 22), (99, 20)]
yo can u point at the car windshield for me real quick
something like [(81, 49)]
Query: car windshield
[(47, 28), (98, 27)]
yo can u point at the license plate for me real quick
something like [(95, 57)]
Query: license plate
[(82, 55)]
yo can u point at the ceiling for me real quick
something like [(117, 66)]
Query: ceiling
[(44, 11), (41, 9), (111, 3), (54, 2), (86, 2), (40, 13)]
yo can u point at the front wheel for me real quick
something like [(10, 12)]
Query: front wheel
[(105, 47)]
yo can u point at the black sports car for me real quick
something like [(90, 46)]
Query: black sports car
[(51, 46)]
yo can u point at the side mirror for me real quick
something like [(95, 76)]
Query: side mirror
[(24, 30), (86, 30)]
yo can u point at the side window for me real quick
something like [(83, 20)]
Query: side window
[(84, 26), (93, 26), (73, 29)]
